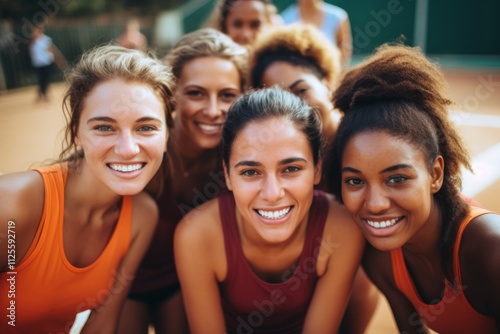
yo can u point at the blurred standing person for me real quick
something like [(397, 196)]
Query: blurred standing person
[(132, 37), (244, 20), (333, 21), (43, 54)]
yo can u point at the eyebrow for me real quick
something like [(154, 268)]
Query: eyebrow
[(292, 86), (385, 170), (112, 120), (251, 163)]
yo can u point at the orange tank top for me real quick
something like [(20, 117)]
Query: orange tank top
[(48, 291), (453, 314)]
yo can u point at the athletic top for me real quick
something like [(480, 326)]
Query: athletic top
[(453, 314), (333, 17), (48, 291), (252, 305)]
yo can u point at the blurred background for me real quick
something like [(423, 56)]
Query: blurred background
[(457, 32), (462, 36)]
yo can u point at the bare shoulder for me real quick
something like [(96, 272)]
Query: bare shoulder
[(144, 213), (202, 221), (21, 204), (480, 247), (340, 222), (199, 240), (20, 192)]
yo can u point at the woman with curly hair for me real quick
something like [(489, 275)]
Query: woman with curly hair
[(300, 59), (396, 165)]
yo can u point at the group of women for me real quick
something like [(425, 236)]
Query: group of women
[(230, 189)]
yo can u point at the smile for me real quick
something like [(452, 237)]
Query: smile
[(126, 168), (384, 224), (274, 214), (209, 127)]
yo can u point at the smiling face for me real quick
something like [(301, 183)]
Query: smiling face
[(272, 174), (388, 189), (300, 81), (123, 133), (206, 88), (245, 20)]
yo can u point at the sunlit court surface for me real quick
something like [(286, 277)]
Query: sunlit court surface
[(31, 134)]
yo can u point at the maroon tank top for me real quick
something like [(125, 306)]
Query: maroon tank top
[(252, 305)]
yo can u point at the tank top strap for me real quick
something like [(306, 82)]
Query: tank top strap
[(315, 225), (54, 180), (231, 238), (474, 213)]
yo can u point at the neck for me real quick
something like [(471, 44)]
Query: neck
[(84, 191), (427, 241)]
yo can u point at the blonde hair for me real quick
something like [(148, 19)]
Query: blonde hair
[(208, 42), (300, 45), (105, 63)]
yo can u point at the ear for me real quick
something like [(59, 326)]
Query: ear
[(226, 176), (318, 172), (437, 174)]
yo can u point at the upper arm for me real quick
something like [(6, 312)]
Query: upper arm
[(342, 248), (197, 249), (378, 267), (480, 259), (344, 41), (21, 208)]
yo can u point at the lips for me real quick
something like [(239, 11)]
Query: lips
[(383, 223), (126, 168)]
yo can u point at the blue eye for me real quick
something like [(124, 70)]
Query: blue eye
[(147, 128), (104, 128)]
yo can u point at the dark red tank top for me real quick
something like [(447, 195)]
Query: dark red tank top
[(252, 305)]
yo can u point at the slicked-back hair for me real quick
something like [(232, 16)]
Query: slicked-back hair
[(269, 103)]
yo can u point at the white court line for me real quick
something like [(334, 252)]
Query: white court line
[(462, 118), (486, 171)]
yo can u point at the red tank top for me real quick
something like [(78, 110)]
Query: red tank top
[(49, 290), (453, 314), (252, 305)]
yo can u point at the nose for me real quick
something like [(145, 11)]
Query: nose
[(272, 189), (377, 201), (213, 109), (246, 35), (127, 146)]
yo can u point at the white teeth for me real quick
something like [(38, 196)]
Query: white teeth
[(383, 224), (274, 214), (125, 168), (208, 127)]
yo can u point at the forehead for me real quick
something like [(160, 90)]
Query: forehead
[(273, 138), (119, 99), (209, 70), (247, 10), (380, 148), (285, 73)]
